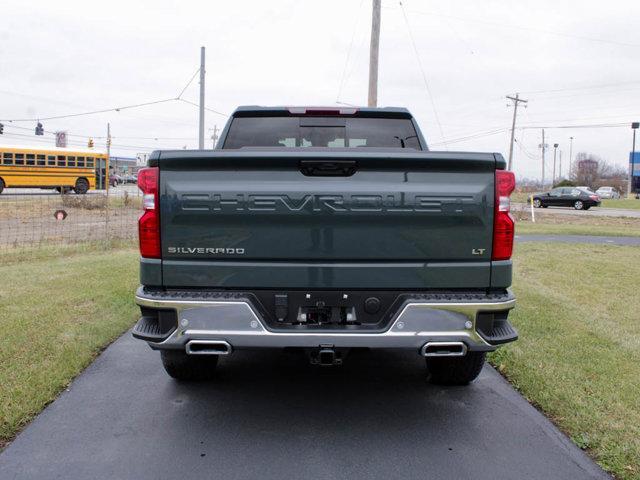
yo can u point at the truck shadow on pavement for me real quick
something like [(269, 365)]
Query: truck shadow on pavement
[(282, 394), (270, 414)]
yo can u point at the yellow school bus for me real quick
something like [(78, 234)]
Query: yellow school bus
[(63, 169)]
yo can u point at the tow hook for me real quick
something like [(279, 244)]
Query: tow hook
[(325, 356)]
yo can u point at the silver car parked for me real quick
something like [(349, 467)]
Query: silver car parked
[(607, 192)]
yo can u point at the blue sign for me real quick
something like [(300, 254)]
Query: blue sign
[(635, 156)]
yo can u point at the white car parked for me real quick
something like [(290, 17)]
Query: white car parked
[(607, 192)]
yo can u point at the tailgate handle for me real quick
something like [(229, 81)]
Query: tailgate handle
[(328, 168)]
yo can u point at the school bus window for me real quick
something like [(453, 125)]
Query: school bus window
[(18, 167)]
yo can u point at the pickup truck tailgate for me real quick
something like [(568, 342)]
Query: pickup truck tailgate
[(264, 218)]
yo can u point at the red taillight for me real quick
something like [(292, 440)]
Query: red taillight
[(149, 222), (503, 224), (595, 198)]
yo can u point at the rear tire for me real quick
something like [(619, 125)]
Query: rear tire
[(578, 205), (537, 203), (188, 368), (82, 186), (455, 370), (1, 185)]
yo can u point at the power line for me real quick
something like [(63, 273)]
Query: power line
[(347, 104), (106, 110), (522, 148), (346, 62), (593, 93), (188, 83), (533, 29), (206, 108), (589, 87), (580, 118), (595, 125), (98, 137), (115, 109), (490, 133), (424, 76), (82, 144), (471, 137), (118, 109), (454, 30)]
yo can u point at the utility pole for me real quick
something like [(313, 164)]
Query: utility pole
[(560, 167), (201, 124), (634, 127), (214, 136), (106, 167), (543, 146), (570, 156), (374, 49), (516, 100), (106, 179), (555, 151)]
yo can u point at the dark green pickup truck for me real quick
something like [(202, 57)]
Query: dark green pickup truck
[(326, 230)]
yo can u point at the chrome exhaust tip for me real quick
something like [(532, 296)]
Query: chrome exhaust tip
[(208, 347), (443, 349)]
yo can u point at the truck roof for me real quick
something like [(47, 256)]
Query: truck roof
[(258, 110)]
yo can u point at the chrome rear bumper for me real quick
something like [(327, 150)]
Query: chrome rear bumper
[(233, 321)]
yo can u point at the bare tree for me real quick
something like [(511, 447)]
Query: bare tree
[(594, 172)]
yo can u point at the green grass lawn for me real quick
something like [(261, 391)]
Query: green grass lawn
[(520, 197), (628, 203), (58, 309), (541, 228), (577, 224), (578, 356)]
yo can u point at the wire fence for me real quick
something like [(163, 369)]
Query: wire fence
[(30, 219)]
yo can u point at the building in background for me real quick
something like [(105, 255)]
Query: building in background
[(123, 165)]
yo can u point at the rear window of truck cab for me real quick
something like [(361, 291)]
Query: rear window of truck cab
[(321, 131)]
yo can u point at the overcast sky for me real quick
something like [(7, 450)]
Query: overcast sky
[(577, 62)]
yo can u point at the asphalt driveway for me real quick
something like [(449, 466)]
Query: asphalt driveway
[(271, 415)]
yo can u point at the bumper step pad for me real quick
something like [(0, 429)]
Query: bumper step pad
[(148, 328), (501, 332)]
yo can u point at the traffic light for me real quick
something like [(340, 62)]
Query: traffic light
[(1, 128), (90, 144), (39, 129)]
